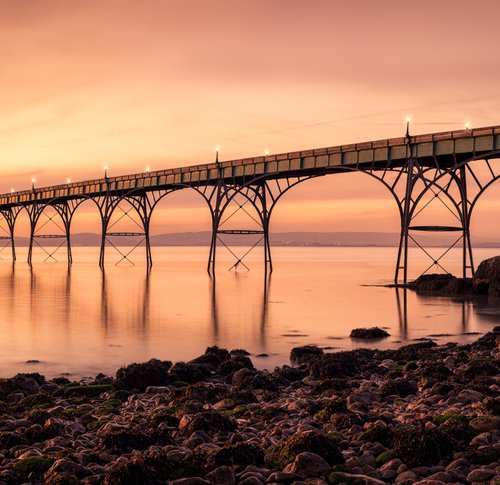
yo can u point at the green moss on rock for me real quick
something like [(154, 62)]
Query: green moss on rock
[(279, 455), (33, 464), (442, 418), (385, 457), (87, 391)]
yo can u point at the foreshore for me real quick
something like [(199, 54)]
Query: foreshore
[(423, 414)]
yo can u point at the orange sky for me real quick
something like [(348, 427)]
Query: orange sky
[(160, 83)]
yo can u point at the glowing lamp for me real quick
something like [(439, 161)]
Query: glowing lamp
[(467, 125)]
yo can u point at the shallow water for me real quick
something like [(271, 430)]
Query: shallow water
[(83, 321)]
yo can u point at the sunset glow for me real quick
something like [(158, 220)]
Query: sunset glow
[(157, 83)]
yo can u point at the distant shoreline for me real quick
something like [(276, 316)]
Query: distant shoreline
[(278, 239)]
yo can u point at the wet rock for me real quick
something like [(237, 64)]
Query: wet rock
[(339, 364), (283, 477), (304, 354), (234, 364), (352, 478), (418, 446), (212, 357), (287, 374), (307, 464), (488, 272), (24, 384), (64, 472), (140, 376), (210, 422), (87, 391), (400, 387), (222, 475), (242, 454), (279, 455), (486, 423), (444, 284), (125, 439), (254, 379), (188, 372), (34, 466), (189, 481), (252, 480), (369, 333)]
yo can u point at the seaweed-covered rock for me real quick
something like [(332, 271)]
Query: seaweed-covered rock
[(279, 455), (369, 333), (140, 470), (23, 383), (307, 464), (241, 454), (140, 376), (304, 354), (418, 446), (234, 364), (212, 357), (339, 364), (32, 466), (287, 374), (254, 379), (444, 284), (87, 391), (210, 422), (378, 433), (481, 367), (491, 405), (189, 372), (123, 440), (399, 387)]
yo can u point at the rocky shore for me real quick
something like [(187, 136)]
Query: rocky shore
[(423, 414)]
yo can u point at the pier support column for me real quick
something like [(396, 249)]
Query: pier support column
[(256, 195), (449, 186), (65, 211), (141, 205), (10, 216)]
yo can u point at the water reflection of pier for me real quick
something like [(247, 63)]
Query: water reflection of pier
[(263, 314), (142, 312), (402, 308)]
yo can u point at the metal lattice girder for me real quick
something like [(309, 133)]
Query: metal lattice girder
[(410, 167), (440, 150)]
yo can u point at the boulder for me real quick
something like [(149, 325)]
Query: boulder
[(307, 464), (304, 354), (210, 422), (369, 333), (284, 452), (140, 376), (443, 284), (488, 272)]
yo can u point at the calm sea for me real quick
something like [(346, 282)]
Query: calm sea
[(82, 321)]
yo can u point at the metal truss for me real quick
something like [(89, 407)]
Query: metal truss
[(8, 217), (59, 221), (124, 206), (456, 184)]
